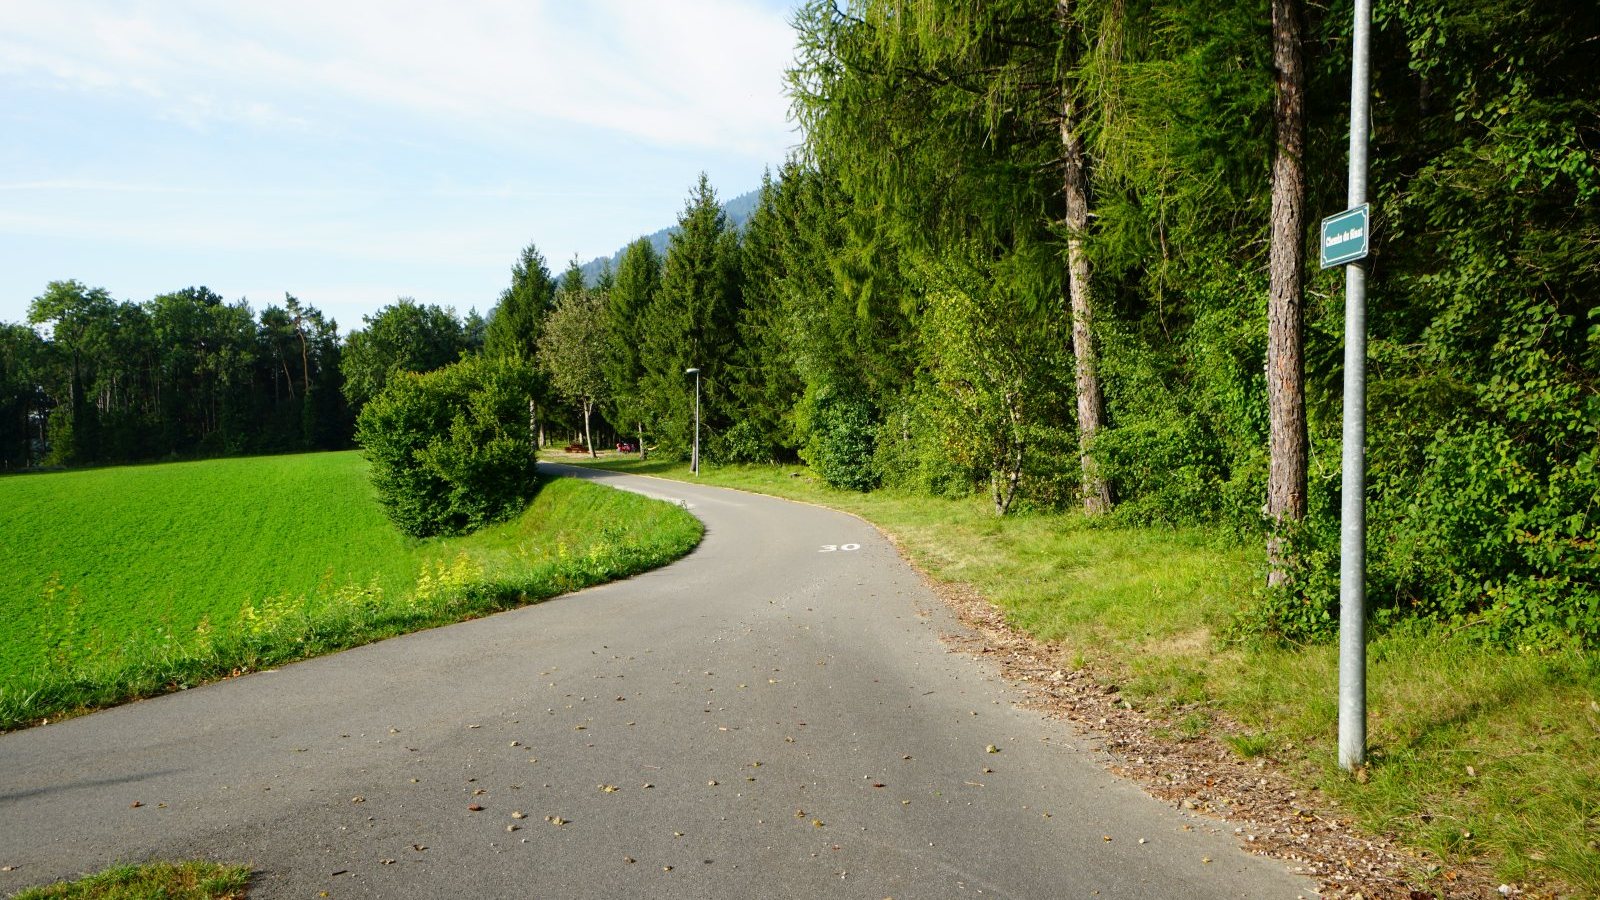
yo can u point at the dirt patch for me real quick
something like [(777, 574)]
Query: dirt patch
[(1271, 815)]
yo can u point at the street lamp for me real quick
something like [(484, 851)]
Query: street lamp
[(694, 459)]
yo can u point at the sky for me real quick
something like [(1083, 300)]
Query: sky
[(351, 152)]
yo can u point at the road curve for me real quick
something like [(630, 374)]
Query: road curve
[(765, 718)]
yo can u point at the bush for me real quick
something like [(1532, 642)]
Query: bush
[(450, 450), (912, 451), (840, 441), (743, 443)]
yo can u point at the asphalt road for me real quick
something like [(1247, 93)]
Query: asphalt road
[(765, 718)]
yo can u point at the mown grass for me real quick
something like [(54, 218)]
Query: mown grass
[(1154, 610), (95, 645), (134, 550), (154, 881)]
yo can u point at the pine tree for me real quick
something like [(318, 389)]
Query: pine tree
[(516, 323), (1286, 392), (691, 323), (637, 281)]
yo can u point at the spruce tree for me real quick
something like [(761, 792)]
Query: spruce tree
[(691, 323), (515, 322), (637, 281), (515, 326)]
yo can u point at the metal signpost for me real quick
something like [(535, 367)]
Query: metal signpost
[(1344, 241)]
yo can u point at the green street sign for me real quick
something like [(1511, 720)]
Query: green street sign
[(1344, 236)]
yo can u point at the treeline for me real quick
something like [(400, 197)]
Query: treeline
[(1056, 252), (93, 380)]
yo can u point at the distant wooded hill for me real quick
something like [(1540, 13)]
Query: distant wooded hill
[(738, 210)]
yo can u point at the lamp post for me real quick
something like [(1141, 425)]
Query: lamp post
[(694, 459)]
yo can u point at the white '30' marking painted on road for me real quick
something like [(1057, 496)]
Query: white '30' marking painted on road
[(832, 548)]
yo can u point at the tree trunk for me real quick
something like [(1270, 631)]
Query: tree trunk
[(1091, 402), (305, 361), (587, 440), (1286, 408), (641, 442)]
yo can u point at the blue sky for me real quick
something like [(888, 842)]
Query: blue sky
[(354, 151)]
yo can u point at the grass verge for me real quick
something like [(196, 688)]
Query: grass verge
[(154, 881), (573, 535), (1478, 755)]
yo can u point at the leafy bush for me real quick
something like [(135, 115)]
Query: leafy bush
[(450, 450), (910, 449), (839, 441), (742, 443)]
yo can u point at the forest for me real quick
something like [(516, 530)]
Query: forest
[(1053, 253)]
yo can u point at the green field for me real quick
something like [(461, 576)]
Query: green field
[(122, 582), (148, 549)]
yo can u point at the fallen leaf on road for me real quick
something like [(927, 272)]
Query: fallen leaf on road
[(609, 788), (135, 804), (519, 814), (475, 808), (555, 820), (991, 749)]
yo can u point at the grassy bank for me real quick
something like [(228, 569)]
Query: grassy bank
[(1477, 753), (134, 581)]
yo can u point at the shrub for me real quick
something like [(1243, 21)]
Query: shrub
[(840, 439), (450, 450)]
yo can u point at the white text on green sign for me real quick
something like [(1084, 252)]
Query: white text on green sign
[(1344, 236)]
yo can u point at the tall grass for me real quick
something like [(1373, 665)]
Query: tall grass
[(1478, 752), (573, 535)]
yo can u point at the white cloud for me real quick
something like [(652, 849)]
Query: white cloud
[(358, 144), (703, 74)]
